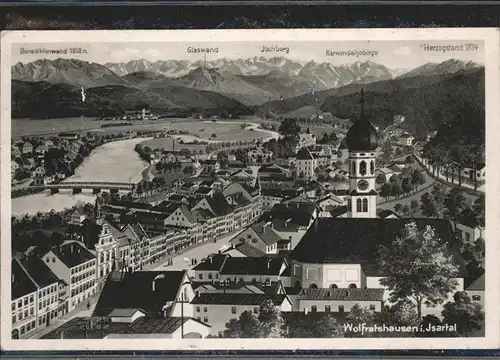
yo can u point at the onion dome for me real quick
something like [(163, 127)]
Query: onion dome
[(362, 136)]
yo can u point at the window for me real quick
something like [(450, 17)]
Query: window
[(19, 303), (328, 308), (13, 306), (31, 299), (39, 306), (255, 310), (220, 333), (25, 313), (20, 316), (476, 297), (53, 259), (205, 319), (198, 318), (32, 311), (200, 276), (341, 308), (210, 276), (362, 167), (233, 310), (25, 301), (13, 319), (372, 307), (467, 236), (313, 286), (205, 309), (314, 308), (365, 205), (358, 205), (372, 167), (352, 286)]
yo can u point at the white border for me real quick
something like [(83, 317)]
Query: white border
[(490, 36)]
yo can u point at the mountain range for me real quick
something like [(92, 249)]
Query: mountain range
[(276, 85)]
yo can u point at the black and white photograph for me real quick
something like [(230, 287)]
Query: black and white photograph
[(197, 187)]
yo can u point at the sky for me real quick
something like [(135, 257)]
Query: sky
[(393, 54)]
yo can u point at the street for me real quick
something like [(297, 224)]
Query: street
[(182, 260)]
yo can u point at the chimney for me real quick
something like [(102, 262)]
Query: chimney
[(328, 293), (153, 284), (211, 258), (269, 263), (12, 277), (72, 248), (305, 311), (297, 205)]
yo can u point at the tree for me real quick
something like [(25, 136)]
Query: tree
[(272, 324), (409, 160), (381, 179), (357, 316), (430, 322), (417, 178), (428, 206), (315, 325), (404, 313), (418, 267), (385, 190), (396, 189), (406, 186), (406, 210), (467, 316), (438, 194), (414, 206), (454, 203), (479, 207), (398, 208), (289, 128)]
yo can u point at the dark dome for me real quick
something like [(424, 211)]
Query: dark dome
[(362, 136)]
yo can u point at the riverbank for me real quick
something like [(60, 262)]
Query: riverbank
[(114, 161)]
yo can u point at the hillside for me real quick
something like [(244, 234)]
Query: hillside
[(45, 100), (451, 66), (224, 83), (430, 104), (66, 71)]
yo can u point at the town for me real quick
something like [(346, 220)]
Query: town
[(290, 237)]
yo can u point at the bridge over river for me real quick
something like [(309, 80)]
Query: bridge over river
[(78, 186)]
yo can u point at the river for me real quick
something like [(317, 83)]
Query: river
[(114, 161)]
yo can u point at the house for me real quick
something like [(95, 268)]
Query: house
[(469, 227), (255, 270), (76, 218), (259, 235), (329, 202), (275, 195), (162, 328), (41, 150), (27, 148), (68, 136), (35, 299), (337, 300), (14, 166), (76, 266), (211, 165), (306, 140), (306, 164), (388, 173), (406, 140), (153, 293), (480, 169), (218, 309), (259, 155), (475, 285), (29, 164), (209, 269), (387, 214), (133, 248)]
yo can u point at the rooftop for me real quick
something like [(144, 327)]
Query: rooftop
[(135, 291), (253, 266), (73, 254), (342, 294), (357, 241), (237, 299)]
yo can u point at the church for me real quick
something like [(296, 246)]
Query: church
[(341, 252)]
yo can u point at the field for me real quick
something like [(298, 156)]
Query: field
[(224, 131)]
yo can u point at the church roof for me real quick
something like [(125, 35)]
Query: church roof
[(357, 241), (362, 136)]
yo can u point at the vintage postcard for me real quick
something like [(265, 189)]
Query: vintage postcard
[(250, 189)]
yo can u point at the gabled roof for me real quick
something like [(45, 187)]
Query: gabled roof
[(298, 213), (357, 241), (479, 284), (219, 205), (237, 299), (213, 263), (386, 213), (73, 254), (304, 154), (38, 271), (135, 291), (246, 249), (265, 232), (21, 284), (154, 325)]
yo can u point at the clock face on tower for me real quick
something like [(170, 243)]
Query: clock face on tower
[(362, 184)]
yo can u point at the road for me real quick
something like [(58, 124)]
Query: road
[(183, 260)]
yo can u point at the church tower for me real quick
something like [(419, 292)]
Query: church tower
[(362, 141)]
